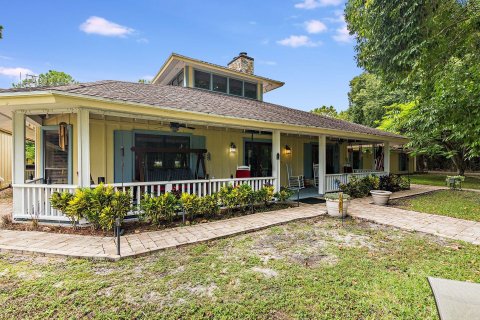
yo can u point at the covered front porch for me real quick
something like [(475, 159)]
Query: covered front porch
[(82, 147)]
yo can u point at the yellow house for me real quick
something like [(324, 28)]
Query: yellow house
[(196, 127)]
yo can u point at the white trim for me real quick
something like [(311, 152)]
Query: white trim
[(83, 145), (276, 158), (322, 161)]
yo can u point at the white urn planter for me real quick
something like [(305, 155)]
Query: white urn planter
[(380, 197), (333, 204)]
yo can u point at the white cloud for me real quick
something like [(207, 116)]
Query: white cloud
[(103, 27), (343, 35), (5, 57), (15, 72), (312, 4), (143, 40), (298, 41), (315, 26)]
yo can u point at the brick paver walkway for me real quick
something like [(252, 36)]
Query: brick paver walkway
[(142, 243), (138, 244), (442, 226)]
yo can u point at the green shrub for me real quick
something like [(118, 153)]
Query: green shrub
[(190, 204), (60, 202), (209, 205), (359, 188), (283, 195), (245, 195), (264, 195), (155, 209), (229, 197), (99, 206), (336, 196)]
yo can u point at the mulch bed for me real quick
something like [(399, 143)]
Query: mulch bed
[(132, 227)]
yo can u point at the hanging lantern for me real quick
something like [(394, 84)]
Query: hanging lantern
[(62, 136)]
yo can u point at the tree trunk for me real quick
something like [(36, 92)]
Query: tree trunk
[(460, 164)]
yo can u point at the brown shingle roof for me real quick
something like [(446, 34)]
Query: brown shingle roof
[(203, 101)]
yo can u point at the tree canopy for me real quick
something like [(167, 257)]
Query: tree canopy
[(51, 78), (331, 112), (430, 49), (1, 31)]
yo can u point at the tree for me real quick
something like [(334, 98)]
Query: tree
[(51, 78), (430, 48), (326, 111), (1, 31), (331, 112), (369, 97), (144, 81)]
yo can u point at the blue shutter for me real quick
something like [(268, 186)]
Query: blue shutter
[(125, 139), (196, 142), (307, 160)]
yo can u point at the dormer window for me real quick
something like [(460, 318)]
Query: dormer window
[(219, 83), (223, 84), (202, 80), (250, 90), (236, 87)]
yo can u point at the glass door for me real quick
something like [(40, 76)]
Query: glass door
[(258, 156)]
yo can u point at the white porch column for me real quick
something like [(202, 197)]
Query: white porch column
[(83, 145), (276, 158), (322, 161), (373, 157), (386, 157), (18, 164)]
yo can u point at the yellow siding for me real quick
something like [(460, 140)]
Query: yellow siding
[(6, 150)]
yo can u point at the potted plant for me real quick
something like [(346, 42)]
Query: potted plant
[(380, 197), (333, 201)]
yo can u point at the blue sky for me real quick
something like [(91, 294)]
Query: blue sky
[(301, 42)]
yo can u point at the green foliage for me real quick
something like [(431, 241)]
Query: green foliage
[(283, 195), (336, 196), (245, 195), (208, 205), (394, 183), (190, 204), (229, 196), (264, 195), (397, 116), (60, 201), (359, 188), (99, 206), (30, 152), (454, 182), (144, 81), (326, 111), (1, 32), (369, 98), (51, 78), (155, 209), (439, 180), (430, 49)]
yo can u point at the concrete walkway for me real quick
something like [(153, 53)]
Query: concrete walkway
[(138, 244), (438, 225)]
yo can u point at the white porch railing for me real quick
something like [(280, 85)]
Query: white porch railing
[(35, 198), (333, 181)]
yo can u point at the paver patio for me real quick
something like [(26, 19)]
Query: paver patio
[(442, 226), (143, 243)]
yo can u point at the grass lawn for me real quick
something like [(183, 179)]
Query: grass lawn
[(439, 180), (310, 269), (456, 204)]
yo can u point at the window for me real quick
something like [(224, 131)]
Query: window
[(219, 83), (258, 156), (178, 80), (250, 90), (160, 157), (202, 80), (236, 87)]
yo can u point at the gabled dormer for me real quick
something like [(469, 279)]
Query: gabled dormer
[(237, 78)]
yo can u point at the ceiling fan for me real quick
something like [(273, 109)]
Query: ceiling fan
[(175, 126)]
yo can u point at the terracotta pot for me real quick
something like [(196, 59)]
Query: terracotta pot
[(380, 197), (332, 208)]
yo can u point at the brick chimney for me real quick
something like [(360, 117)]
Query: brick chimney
[(242, 63)]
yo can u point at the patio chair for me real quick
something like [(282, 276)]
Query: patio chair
[(295, 183), (456, 299)]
